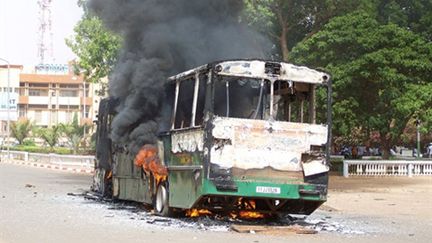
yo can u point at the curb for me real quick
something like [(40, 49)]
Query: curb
[(48, 166)]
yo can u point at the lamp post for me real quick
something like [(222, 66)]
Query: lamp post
[(84, 108), (84, 103), (8, 103)]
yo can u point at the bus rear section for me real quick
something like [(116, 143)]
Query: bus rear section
[(278, 166)]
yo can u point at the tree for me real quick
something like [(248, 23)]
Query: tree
[(50, 135), (95, 46), (414, 15), (21, 130), (74, 133), (380, 74), (288, 22)]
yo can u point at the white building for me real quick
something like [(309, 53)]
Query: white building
[(47, 95)]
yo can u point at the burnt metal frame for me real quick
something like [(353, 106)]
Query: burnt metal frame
[(178, 80), (209, 108)]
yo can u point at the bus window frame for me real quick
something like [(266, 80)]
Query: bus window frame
[(310, 109), (178, 90)]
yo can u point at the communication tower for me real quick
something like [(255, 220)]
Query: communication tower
[(45, 42)]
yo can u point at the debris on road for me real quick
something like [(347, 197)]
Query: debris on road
[(265, 229), (287, 224), (29, 186)]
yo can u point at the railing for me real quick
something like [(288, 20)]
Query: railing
[(62, 161), (387, 168)]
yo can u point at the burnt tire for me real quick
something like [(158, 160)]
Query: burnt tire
[(161, 201)]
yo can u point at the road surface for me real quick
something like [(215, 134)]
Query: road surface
[(35, 207)]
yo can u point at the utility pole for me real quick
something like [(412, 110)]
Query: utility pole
[(8, 105), (84, 108)]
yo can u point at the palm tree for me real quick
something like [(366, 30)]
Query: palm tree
[(50, 135), (74, 133), (21, 130)]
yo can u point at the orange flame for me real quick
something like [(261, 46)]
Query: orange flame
[(193, 213), (251, 215), (109, 175), (249, 212), (148, 159)]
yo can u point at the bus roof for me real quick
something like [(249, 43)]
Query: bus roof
[(261, 69)]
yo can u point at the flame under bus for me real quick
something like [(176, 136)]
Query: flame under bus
[(240, 136)]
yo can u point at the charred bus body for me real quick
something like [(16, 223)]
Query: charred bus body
[(241, 135)]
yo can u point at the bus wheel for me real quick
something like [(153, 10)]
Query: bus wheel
[(161, 206)]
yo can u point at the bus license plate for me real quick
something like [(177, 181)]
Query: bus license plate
[(268, 190)]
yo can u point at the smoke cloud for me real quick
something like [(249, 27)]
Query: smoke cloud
[(162, 38)]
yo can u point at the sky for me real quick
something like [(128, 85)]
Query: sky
[(19, 24)]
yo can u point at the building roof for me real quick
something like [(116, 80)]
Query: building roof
[(50, 78)]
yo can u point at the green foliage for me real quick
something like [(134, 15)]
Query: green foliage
[(380, 73), (38, 149), (95, 46), (50, 135), (287, 22), (29, 142), (414, 15), (20, 130), (75, 133)]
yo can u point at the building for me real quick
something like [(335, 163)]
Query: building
[(13, 83), (47, 95)]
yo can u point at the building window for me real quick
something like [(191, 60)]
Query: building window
[(21, 91), (38, 116), (37, 107), (22, 111), (68, 93), (41, 85), (38, 92), (53, 117), (69, 86), (87, 111), (69, 107)]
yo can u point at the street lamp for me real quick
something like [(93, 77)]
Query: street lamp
[(8, 103), (84, 103)]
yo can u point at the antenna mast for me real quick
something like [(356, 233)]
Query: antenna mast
[(45, 42)]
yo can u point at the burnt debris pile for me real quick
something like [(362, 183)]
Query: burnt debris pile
[(162, 38)]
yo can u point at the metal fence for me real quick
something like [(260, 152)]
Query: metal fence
[(69, 161), (387, 168)]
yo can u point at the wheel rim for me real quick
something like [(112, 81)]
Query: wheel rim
[(160, 198)]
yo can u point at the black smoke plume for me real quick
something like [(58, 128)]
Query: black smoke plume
[(162, 38)]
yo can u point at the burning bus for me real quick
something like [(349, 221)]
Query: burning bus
[(234, 136)]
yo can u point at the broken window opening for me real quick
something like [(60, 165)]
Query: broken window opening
[(264, 99), (199, 111), (189, 102), (240, 97), (294, 102), (183, 115)]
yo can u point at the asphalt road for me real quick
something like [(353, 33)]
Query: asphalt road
[(35, 207)]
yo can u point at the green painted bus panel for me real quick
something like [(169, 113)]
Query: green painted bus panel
[(135, 189), (184, 184), (249, 189), (183, 188)]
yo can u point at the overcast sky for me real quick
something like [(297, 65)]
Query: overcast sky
[(19, 25)]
